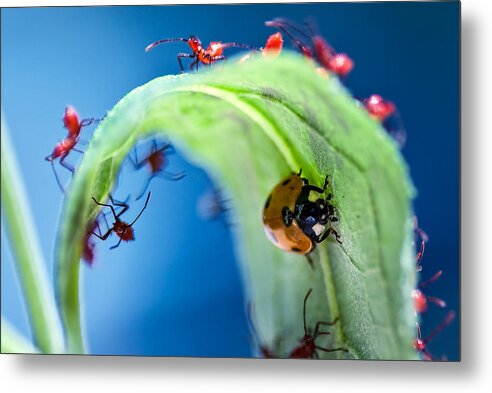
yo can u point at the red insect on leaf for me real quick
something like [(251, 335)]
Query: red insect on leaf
[(63, 148), (157, 161), (122, 229), (213, 53), (420, 344), (321, 51)]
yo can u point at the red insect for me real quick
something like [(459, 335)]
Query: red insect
[(386, 112), (338, 63), (62, 149), (379, 108), (213, 53), (307, 349), (123, 230), (265, 352), (212, 206), (272, 48), (420, 344), (273, 45), (420, 300), (89, 245), (419, 234), (156, 161)]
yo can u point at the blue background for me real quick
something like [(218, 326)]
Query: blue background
[(175, 291)]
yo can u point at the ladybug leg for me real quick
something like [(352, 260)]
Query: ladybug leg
[(309, 187), (310, 261), (325, 184), (327, 233), (319, 190)]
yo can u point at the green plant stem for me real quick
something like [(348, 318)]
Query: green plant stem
[(13, 342), (25, 246)]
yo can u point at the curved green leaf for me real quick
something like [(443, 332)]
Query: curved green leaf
[(249, 125)]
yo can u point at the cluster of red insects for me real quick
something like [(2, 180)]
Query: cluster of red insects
[(156, 160), (315, 48), (311, 44), (421, 300)]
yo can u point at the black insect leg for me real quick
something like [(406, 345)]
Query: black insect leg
[(331, 349), (124, 205), (184, 55), (56, 176), (66, 165), (327, 233), (172, 176), (310, 261), (105, 236), (116, 245), (112, 209), (142, 193), (141, 211), (319, 323)]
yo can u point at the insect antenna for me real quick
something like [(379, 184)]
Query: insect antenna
[(155, 43), (447, 320), (304, 49), (141, 211), (238, 45), (304, 310), (285, 23), (431, 280)]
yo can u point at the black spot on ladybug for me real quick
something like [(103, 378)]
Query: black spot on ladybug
[(295, 249), (286, 181), (267, 203)]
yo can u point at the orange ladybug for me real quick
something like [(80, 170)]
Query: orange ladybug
[(292, 221)]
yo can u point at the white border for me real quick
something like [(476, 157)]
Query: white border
[(79, 374)]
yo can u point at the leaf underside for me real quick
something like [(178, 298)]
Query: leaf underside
[(249, 125)]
